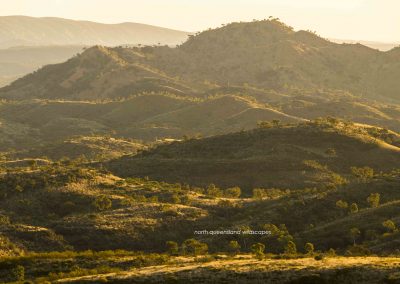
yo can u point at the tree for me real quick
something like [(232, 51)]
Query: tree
[(353, 208), (264, 124), (102, 202), (4, 220), (33, 164), (331, 152), (18, 273), (331, 252), (233, 192), (214, 191), (175, 199), (273, 229), (290, 248), (362, 174), (185, 199), (342, 204), (258, 193), (258, 250), (172, 247), (276, 122), (390, 226), (194, 247), (19, 188), (234, 247), (354, 233), (309, 248), (244, 237), (374, 199)]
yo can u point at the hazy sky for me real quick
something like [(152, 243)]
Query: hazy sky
[(345, 19)]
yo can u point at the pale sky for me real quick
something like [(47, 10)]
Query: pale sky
[(376, 20)]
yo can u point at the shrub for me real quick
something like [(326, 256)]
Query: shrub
[(354, 233), (172, 248), (331, 252), (353, 208), (342, 204), (175, 199), (258, 193), (309, 248), (102, 202), (358, 250), (234, 247), (17, 273), (362, 174), (374, 199), (233, 192), (226, 204), (213, 191), (194, 247), (4, 220), (290, 248), (390, 226), (185, 199), (258, 250)]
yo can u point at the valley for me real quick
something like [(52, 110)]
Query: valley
[(112, 160)]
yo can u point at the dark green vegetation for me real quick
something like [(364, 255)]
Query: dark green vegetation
[(66, 206), (311, 154), (218, 148)]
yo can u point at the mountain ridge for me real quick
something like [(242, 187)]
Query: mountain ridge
[(25, 30), (264, 54)]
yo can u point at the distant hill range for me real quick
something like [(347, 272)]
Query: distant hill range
[(218, 81), (29, 31), (16, 62), (382, 46), (266, 55), (28, 43)]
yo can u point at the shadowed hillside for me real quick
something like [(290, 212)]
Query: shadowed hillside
[(273, 156), (145, 117)]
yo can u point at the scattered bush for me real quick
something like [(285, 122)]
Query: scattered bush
[(258, 250), (102, 202)]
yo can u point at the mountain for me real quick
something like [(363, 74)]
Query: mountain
[(269, 157), (219, 81), (382, 46), (29, 31), (265, 55), (27, 43)]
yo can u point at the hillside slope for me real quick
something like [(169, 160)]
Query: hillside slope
[(267, 55), (18, 61), (276, 156), (144, 117)]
